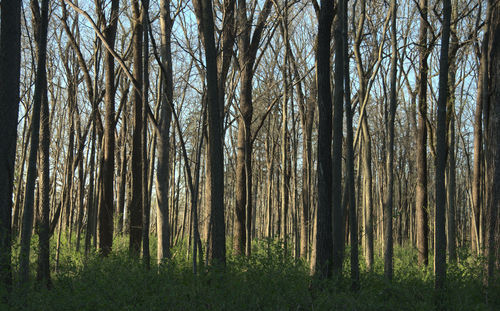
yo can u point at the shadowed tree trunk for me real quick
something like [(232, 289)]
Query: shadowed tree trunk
[(215, 161), (321, 263), (135, 207), (389, 196), (338, 103), (10, 58), (451, 168), (41, 20), (350, 183), (492, 107), (441, 152)]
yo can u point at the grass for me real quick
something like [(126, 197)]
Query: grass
[(268, 280)]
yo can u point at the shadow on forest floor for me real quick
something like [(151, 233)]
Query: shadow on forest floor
[(268, 280)]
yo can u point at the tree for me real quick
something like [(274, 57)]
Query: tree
[(389, 197), (441, 152), (10, 59), (338, 103), (321, 263), (40, 30), (136, 205), (248, 45), (215, 197), (163, 140), (492, 107), (106, 208), (421, 191)]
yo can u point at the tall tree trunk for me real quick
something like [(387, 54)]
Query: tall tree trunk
[(422, 210), (285, 170), (321, 263), (10, 58), (108, 164), (215, 159), (43, 271), (441, 152), (451, 169), (248, 45), (350, 183), (163, 140), (478, 140), (146, 207), (492, 106), (389, 195), (137, 160), (41, 20), (338, 103)]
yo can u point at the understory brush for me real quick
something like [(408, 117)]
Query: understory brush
[(270, 279)]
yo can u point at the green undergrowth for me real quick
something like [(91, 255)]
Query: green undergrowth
[(268, 280)]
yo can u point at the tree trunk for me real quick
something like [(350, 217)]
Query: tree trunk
[(389, 196), (41, 21), (137, 160), (108, 164), (215, 160), (338, 103), (441, 152), (422, 210), (493, 137), (451, 169), (10, 58), (350, 183), (321, 263), (163, 140)]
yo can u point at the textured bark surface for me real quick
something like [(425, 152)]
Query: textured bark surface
[(163, 140)]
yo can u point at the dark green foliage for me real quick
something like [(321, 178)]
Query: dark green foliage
[(268, 280)]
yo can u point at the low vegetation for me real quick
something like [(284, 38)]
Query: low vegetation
[(268, 280)]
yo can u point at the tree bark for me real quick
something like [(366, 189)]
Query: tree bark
[(10, 58), (338, 103), (163, 140), (135, 207), (215, 160), (321, 263), (441, 152), (389, 195), (422, 210), (106, 208), (40, 28)]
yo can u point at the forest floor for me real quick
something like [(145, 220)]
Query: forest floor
[(268, 280)]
